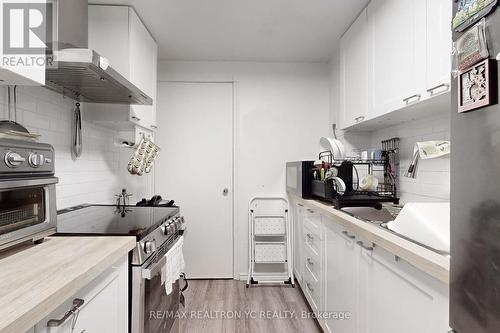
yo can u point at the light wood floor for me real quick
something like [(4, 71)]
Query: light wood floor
[(208, 301)]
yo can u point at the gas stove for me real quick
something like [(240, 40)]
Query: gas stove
[(153, 227)]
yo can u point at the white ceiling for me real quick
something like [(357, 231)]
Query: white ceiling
[(246, 30)]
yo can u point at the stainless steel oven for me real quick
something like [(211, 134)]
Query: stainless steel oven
[(153, 311), (157, 229), (27, 192)]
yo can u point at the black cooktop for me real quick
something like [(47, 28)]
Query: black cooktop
[(110, 220)]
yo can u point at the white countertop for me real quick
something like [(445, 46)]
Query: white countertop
[(433, 263), (37, 279)]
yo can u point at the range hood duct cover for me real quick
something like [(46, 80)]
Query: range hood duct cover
[(81, 73)]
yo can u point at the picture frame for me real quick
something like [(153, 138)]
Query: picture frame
[(477, 86)]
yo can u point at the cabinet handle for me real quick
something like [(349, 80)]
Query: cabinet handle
[(348, 235), (416, 96), (431, 90), (311, 289), (153, 127), (300, 205), (310, 237), (310, 211), (77, 303), (367, 248), (359, 119), (310, 262), (136, 118)]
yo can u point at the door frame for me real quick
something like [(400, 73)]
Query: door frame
[(234, 88)]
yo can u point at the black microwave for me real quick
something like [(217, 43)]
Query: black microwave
[(299, 178)]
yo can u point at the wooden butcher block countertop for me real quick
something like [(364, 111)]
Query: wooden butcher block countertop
[(35, 280)]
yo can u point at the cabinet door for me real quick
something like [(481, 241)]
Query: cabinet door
[(341, 279), (105, 307), (439, 13), (143, 70), (109, 35), (142, 54), (354, 73), (395, 297), (297, 213), (395, 52)]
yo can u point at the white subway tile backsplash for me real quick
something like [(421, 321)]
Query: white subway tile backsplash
[(99, 173), (433, 178)]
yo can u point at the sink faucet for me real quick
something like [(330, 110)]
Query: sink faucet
[(426, 150), (412, 168)]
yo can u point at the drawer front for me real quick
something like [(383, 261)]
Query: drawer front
[(312, 220), (312, 241), (312, 261), (312, 289)]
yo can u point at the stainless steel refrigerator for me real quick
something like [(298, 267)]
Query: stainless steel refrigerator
[(475, 208)]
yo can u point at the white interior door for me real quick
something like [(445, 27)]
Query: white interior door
[(195, 168)]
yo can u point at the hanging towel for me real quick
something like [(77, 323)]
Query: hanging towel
[(174, 266)]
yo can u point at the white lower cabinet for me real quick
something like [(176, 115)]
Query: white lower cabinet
[(396, 297), (312, 260), (341, 276), (104, 307), (359, 287), (296, 219)]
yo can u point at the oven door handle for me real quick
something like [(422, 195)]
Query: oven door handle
[(149, 273), (186, 285)]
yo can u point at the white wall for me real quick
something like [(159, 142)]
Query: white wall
[(99, 173), (281, 111), (433, 179)]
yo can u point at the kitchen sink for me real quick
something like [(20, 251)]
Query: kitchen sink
[(425, 224), (372, 215)]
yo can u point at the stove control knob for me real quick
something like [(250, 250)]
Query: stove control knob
[(13, 160), (36, 160), (173, 226), (179, 222), (149, 246), (167, 229)]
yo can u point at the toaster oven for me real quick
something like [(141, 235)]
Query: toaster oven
[(27, 192)]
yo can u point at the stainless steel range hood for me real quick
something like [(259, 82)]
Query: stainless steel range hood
[(79, 72)]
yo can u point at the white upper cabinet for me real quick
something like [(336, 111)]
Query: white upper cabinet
[(12, 70), (439, 13), (354, 70), (396, 37), (33, 76), (396, 54), (142, 52), (118, 34), (109, 35)]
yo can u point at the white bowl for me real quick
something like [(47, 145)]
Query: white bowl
[(333, 145)]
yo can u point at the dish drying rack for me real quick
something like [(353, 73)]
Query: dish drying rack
[(270, 237), (386, 191)]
